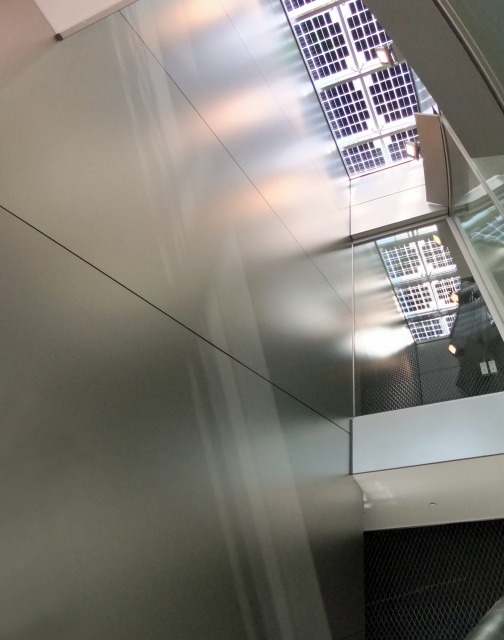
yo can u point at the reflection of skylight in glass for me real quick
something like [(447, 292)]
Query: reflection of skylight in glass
[(370, 106), (423, 274), (323, 45)]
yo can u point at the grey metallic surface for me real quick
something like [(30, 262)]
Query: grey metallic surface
[(491, 626), (428, 434), (159, 484), (153, 486), (208, 214)]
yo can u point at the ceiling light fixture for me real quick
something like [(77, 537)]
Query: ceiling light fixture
[(385, 55), (412, 149)]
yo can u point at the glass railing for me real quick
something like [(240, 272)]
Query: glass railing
[(424, 333)]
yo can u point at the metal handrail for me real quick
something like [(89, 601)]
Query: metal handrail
[(491, 626)]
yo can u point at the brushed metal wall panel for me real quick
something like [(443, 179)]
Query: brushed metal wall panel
[(103, 152), (260, 101), (153, 487)]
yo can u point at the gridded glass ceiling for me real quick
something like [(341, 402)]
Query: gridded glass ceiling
[(424, 275), (370, 106)]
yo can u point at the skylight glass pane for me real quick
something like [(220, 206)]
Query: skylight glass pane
[(416, 299), (369, 105), (346, 109), (323, 44)]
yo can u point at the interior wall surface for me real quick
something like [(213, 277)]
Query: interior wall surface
[(177, 333)]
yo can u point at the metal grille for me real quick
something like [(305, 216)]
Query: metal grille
[(402, 262), (346, 109), (396, 146), (363, 157), (432, 583), (365, 30), (323, 45), (393, 93), (416, 298)]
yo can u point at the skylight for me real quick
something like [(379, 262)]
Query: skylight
[(369, 105)]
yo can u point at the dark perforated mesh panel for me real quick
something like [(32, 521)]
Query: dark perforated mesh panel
[(391, 383), (363, 157), (432, 583), (346, 109)]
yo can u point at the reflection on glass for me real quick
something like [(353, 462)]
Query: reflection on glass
[(483, 23), (441, 343)]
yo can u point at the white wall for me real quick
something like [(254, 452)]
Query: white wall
[(463, 428), (458, 491)]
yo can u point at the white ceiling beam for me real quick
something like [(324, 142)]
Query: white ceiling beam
[(71, 16)]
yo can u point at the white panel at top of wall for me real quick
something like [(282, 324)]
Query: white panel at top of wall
[(464, 428), (388, 199), (458, 491), (73, 15)]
